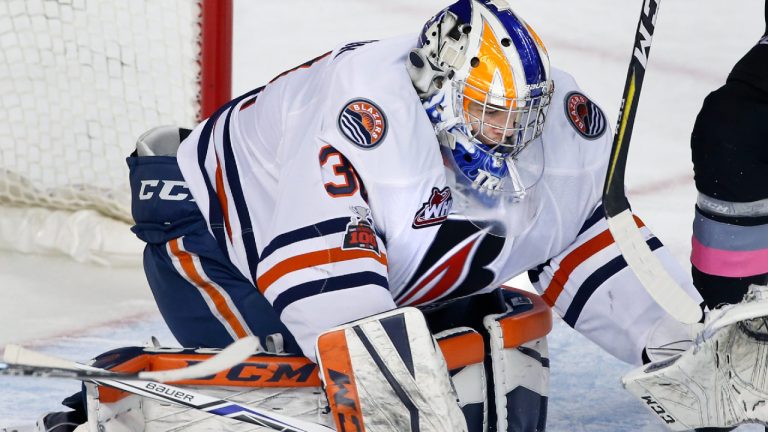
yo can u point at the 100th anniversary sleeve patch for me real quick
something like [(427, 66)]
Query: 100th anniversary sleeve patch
[(363, 123), (585, 116)]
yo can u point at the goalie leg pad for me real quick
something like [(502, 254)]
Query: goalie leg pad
[(464, 354), (385, 373), (267, 380), (520, 362)]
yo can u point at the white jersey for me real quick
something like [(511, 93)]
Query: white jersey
[(328, 190)]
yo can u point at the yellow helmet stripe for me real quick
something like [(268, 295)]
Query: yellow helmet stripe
[(494, 73)]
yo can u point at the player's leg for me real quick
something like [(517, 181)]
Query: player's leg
[(730, 158), (203, 298), (717, 385)]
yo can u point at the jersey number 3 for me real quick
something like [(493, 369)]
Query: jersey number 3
[(338, 174)]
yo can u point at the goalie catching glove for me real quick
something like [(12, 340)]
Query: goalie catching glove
[(721, 380)]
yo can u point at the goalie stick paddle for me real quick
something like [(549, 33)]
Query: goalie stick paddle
[(32, 363), (21, 361), (648, 269)]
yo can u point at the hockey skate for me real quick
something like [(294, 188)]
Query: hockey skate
[(722, 381)]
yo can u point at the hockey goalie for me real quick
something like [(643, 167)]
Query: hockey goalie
[(359, 214), (406, 369)]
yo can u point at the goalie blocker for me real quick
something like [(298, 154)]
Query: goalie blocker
[(490, 374)]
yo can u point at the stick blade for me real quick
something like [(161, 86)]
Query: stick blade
[(230, 356), (16, 354), (648, 269)]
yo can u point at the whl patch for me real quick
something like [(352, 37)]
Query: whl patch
[(363, 123), (585, 116), (435, 211)]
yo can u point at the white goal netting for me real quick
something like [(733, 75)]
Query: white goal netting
[(80, 80)]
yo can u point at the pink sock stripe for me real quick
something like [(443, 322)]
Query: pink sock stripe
[(720, 262)]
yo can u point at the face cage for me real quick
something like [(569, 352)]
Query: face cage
[(524, 120)]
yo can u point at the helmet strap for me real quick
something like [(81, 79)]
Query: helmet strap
[(517, 182)]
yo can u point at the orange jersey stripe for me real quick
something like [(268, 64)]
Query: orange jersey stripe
[(313, 259), (222, 195), (185, 259), (575, 258), (302, 66)]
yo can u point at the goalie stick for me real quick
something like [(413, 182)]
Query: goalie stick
[(41, 365), (648, 269), (21, 361)]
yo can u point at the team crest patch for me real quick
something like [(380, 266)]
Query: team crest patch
[(435, 210), (360, 233), (586, 117), (363, 123)]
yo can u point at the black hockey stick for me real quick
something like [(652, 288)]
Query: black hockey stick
[(649, 270), (31, 361)]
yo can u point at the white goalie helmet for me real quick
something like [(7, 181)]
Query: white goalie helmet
[(483, 75)]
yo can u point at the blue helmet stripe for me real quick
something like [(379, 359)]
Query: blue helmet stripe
[(526, 46), (463, 10)]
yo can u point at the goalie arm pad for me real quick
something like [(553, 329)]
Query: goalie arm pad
[(592, 287), (385, 373)]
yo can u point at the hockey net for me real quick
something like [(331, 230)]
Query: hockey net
[(80, 80)]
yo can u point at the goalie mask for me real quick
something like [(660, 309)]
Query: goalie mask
[(483, 76)]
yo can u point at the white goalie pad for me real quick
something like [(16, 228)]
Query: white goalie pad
[(385, 374), (721, 380), (520, 360), (133, 413), (273, 383), (464, 354)]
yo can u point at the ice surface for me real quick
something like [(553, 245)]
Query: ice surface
[(49, 304)]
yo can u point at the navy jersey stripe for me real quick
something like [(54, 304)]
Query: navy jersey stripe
[(309, 289), (215, 213), (534, 274), (324, 228), (238, 198), (596, 280), (596, 216)]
